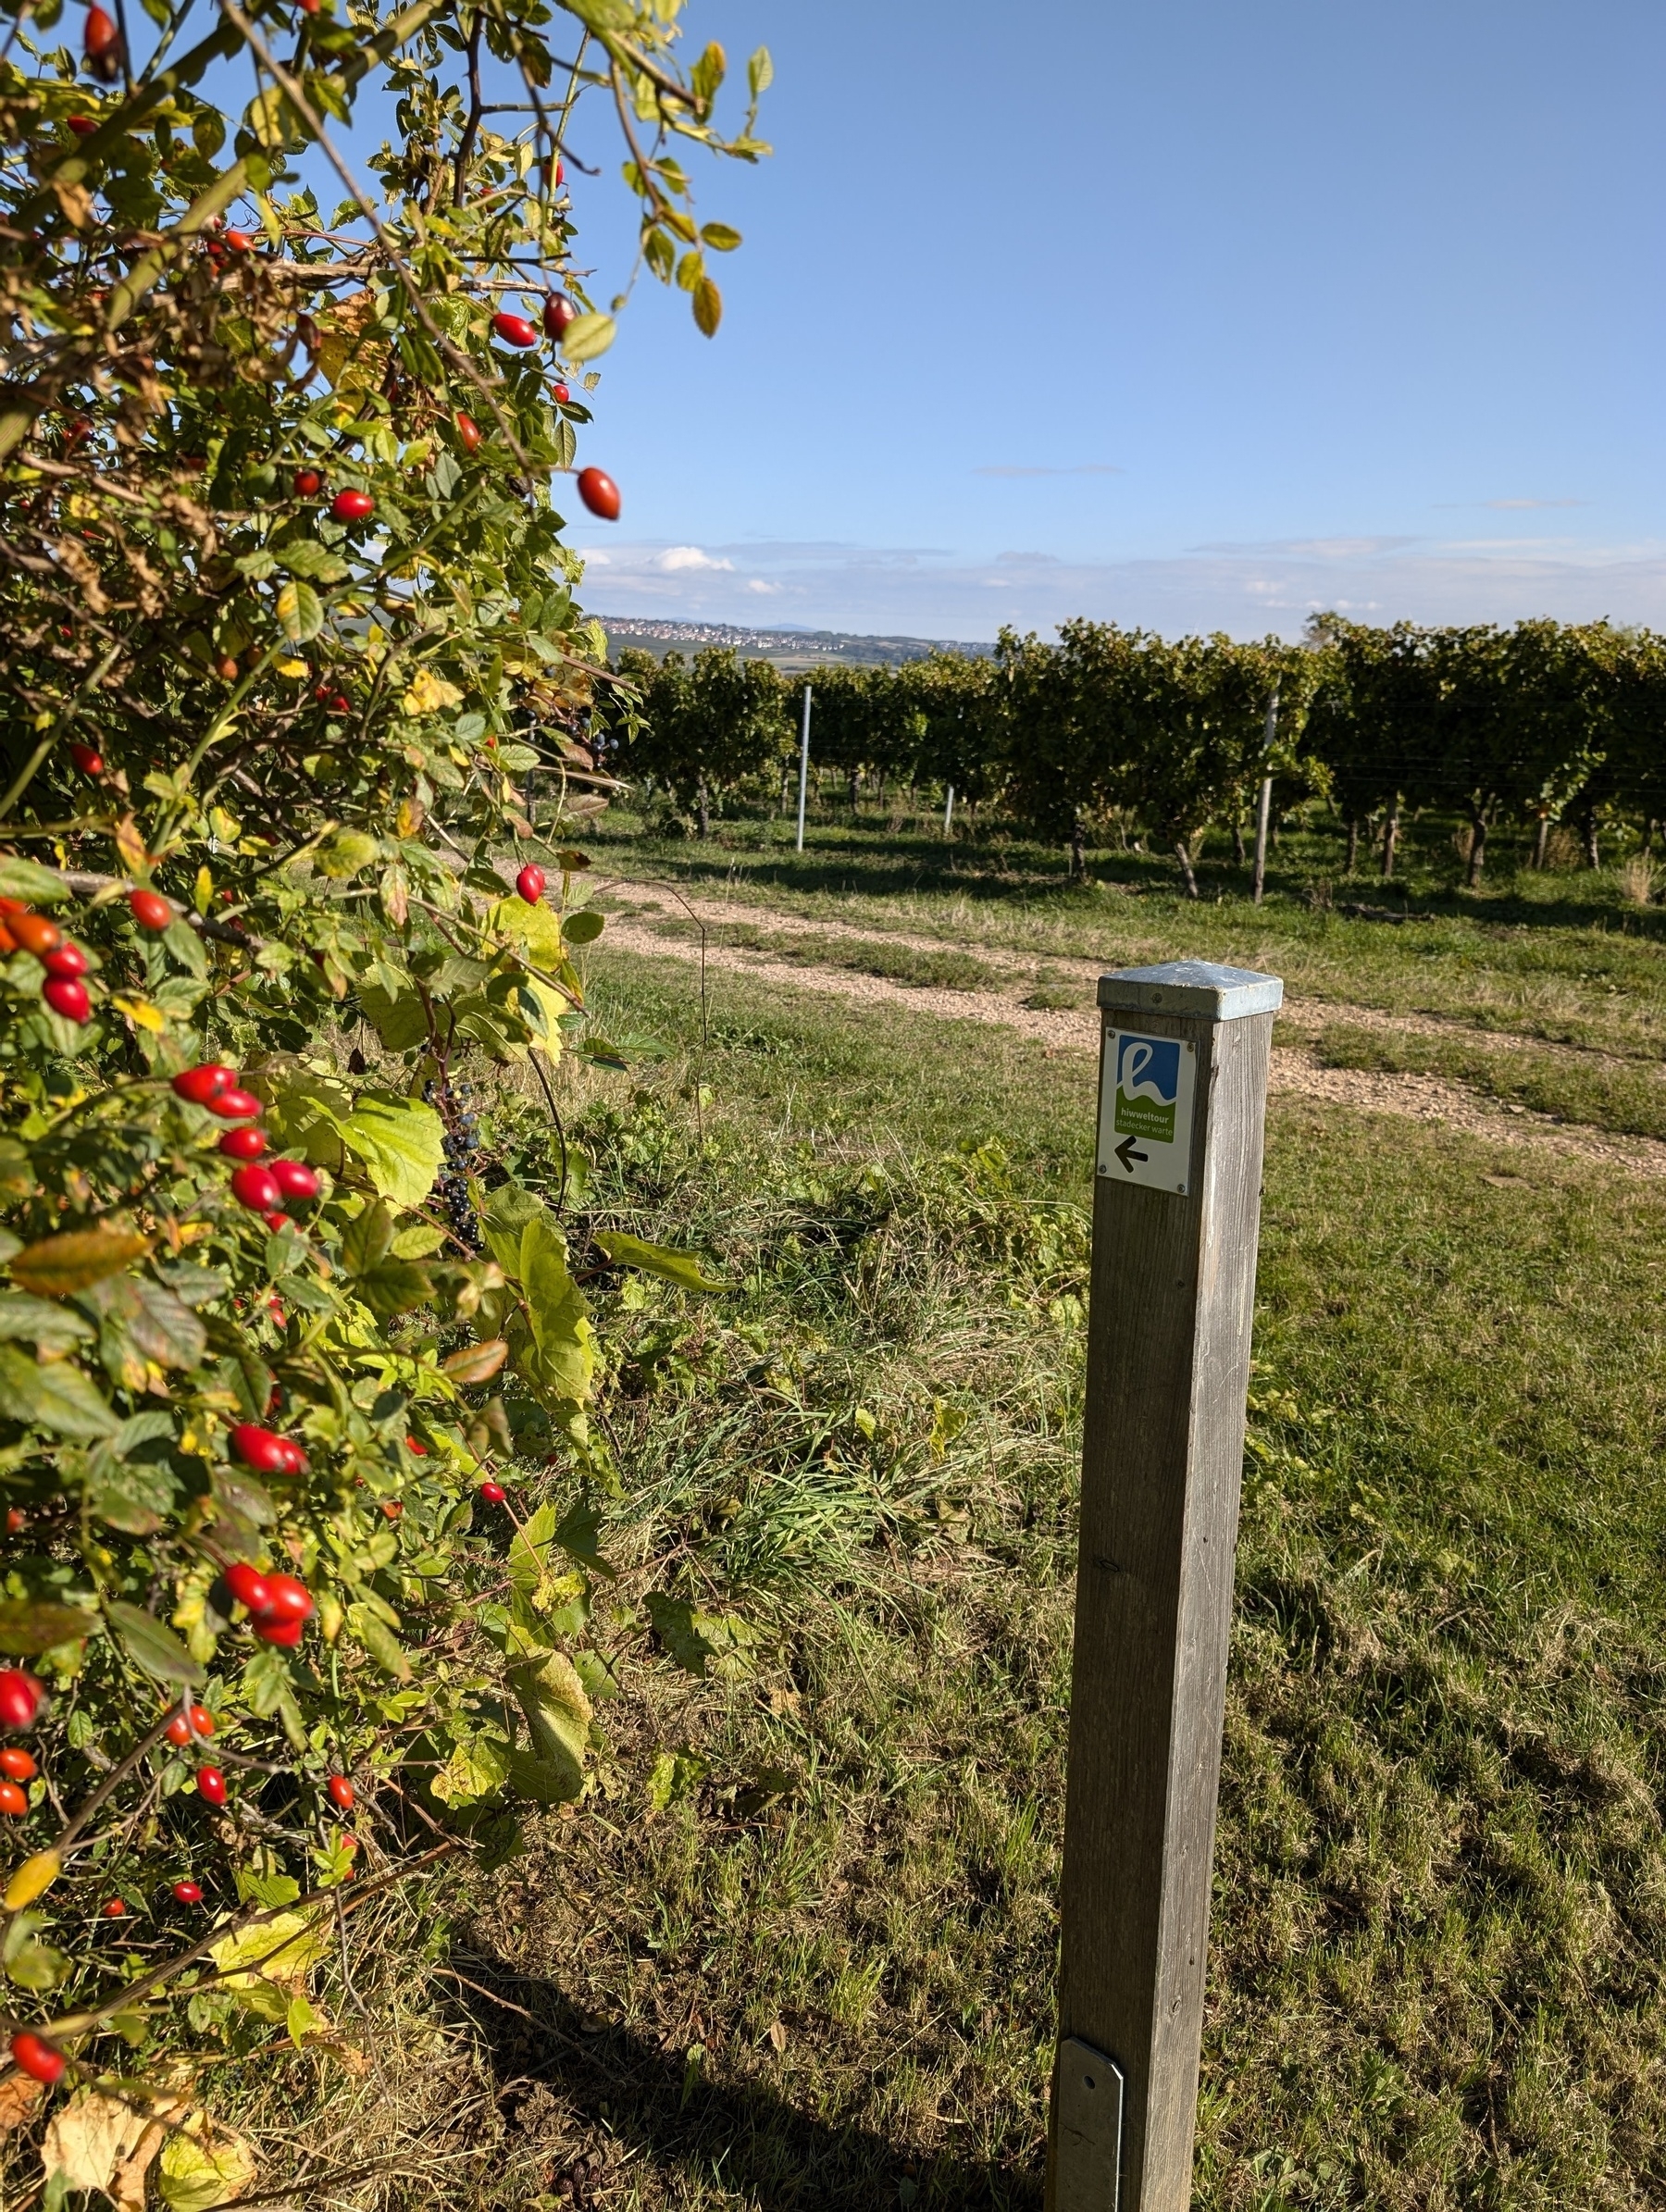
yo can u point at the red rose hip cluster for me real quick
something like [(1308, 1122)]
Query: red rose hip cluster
[(278, 1606), (266, 1187)]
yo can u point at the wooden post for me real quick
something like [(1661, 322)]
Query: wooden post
[(1183, 1080)]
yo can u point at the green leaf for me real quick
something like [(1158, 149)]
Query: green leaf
[(675, 1774), (35, 886), (400, 1020), (418, 1242), (141, 1315), (396, 1286), (760, 72), (578, 1537), (152, 1643), (545, 1781), (306, 556), (557, 1710), (55, 1397), (300, 612), (348, 850), (708, 73), (29, 1627), (367, 1240), (474, 1771), (602, 15), (584, 927), (681, 1268), (37, 1966), (204, 2165), (587, 336), (380, 1641), (708, 307), (719, 236), (505, 1215), (528, 1548), (282, 1949), (137, 1499), (35, 1321), (401, 1141), (58, 1266), (560, 1318), (695, 1639)]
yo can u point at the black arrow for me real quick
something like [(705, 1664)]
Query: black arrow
[(1128, 1155)]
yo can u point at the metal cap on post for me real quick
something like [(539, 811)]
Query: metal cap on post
[(1183, 1082)]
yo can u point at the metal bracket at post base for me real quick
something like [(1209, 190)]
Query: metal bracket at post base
[(1088, 2127)]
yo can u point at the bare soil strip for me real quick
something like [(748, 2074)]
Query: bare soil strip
[(1296, 1072)]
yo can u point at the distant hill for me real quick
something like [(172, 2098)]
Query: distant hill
[(794, 652)]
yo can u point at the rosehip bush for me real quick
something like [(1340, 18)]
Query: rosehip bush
[(294, 674)]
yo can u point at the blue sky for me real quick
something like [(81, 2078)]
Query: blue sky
[(1195, 316)]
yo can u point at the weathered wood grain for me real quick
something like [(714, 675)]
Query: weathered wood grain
[(1173, 1286)]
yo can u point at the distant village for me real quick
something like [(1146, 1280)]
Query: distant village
[(791, 651)]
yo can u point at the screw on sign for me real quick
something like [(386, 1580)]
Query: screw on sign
[(1183, 1079)]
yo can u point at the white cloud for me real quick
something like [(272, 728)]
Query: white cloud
[(1245, 590), (676, 557)]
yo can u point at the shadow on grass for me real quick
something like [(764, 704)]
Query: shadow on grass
[(574, 2101), (870, 862)]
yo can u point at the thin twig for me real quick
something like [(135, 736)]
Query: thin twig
[(292, 91)]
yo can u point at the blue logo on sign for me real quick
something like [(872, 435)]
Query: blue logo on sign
[(1148, 1086), (1148, 1067)]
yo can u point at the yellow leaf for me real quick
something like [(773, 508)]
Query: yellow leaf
[(130, 846), (58, 1266), (430, 692), (33, 1880), (205, 2164), (140, 1011), (477, 1362), (291, 667), (588, 335), (103, 2142), (279, 1950)]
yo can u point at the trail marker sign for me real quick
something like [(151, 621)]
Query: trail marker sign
[(1146, 1084), (1183, 1082)]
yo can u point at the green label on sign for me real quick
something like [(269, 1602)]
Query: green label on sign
[(1145, 1117)]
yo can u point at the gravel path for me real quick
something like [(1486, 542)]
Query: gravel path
[(1296, 1071)]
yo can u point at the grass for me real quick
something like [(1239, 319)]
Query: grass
[(921, 966), (824, 1976), (1602, 1094), (1565, 958)]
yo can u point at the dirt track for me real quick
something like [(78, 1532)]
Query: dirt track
[(1296, 1070)]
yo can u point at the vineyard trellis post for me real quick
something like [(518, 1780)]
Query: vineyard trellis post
[(1264, 805), (1183, 1079), (803, 767)]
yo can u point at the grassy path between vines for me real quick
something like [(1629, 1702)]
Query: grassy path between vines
[(823, 1975), (1438, 1070)]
